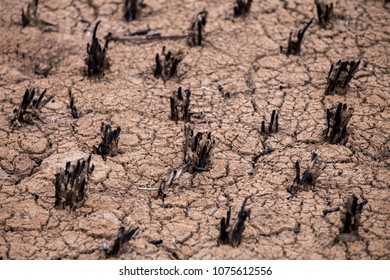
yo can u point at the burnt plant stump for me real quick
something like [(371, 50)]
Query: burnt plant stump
[(232, 234), (30, 17), (29, 108), (309, 177), (197, 149), (295, 40), (73, 110), (350, 218), (339, 76), (324, 13), (167, 63), (109, 144), (196, 29), (120, 242), (242, 8), (180, 105), (132, 9), (97, 60), (337, 120), (71, 184), (273, 125)]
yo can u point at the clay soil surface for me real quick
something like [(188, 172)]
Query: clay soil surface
[(241, 55)]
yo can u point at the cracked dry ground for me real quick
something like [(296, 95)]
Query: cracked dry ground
[(244, 57)]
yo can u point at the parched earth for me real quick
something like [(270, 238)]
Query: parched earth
[(243, 56)]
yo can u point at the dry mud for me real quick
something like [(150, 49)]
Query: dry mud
[(243, 56)]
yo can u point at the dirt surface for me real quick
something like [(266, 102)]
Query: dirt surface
[(241, 55)]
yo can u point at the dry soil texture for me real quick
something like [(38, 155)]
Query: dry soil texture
[(243, 56)]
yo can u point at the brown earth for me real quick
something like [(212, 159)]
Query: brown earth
[(243, 56)]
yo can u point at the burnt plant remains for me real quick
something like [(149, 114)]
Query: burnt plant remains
[(339, 76), (71, 184), (197, 149), (120, 242), (350, 219), (29, 108), (232, 234), (337, 120), (295, 40), (167, 63), (309, 177), (109, 143), (97, 59), (273, 125), (196, 29), (30, 17), (324, 13), (72, 106), (242, 7), (180, 105), (132, 9)]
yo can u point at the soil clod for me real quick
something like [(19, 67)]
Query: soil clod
[(97, 60), (309, 177), (167, 63), (71, 184), (197, 149), (242, 7), (295, 40), (337, 120), (233, 235), (120, 242), (29, 108), (196, 29), (350, 218), (109, 143), (180, 105), (339, 76), (324, 13)]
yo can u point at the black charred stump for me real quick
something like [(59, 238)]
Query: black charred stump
[(324, 12), (72, 106), (29, 108), (30, 17), (120, 242), (197, 149), (160, 193), (309, 177), (339, 76), (350, 218), (71, 184), (97, 59), (180, 105), (133, 8), (337, 120), (295, 40), (197, 26), (167, 63), (109, 143), (224, 93), (242, 7), (232, 235), (273, 125)]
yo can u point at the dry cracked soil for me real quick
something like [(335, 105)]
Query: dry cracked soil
[(243, 56)]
